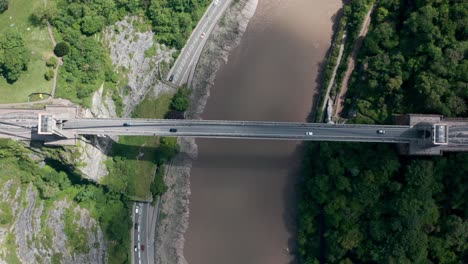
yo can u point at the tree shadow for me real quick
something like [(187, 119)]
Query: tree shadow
[(114, 149), (291, 192)]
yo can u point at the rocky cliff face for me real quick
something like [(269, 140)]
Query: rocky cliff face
[(174, 203), (128, 50), (35, 231)]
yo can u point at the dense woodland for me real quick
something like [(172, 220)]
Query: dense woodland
[(414, 59), (363, 203)]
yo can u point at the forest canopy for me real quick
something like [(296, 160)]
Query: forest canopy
[(414, 59), (363, 203)]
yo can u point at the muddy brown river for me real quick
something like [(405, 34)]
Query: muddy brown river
[(243, 196)]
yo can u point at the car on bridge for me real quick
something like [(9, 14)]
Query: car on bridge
[(309, 133), (127, 124), (173, 130), (380, 131)]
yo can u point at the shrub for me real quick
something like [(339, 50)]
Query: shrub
[(61, 49), (52, 62), (180, 101), (3, 5), (49, 75)]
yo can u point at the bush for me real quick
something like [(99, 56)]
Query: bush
[(52, 62), (180, 101), (61, 49), (49, 75), (3, 5)]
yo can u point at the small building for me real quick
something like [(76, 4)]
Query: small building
[(440, 134), (45, 125)]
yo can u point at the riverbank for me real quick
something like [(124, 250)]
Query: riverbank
[(174, 212)]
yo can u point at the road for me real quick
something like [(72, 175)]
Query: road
[(142, 234), (241, 129), (191, 52)]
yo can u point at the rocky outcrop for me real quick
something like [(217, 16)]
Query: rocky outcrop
[(174, 203), (128, 49), (39, 230), (96, 243)]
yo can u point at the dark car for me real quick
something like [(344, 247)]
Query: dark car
[(127, 124), (136, 225), (173, 130), (142, 247), (171, 78)]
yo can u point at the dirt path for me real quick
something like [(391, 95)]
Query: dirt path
[(60, 62), (352, 62), (332, 79)]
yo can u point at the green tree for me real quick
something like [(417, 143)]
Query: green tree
[(62, 49), (46, 12), (14, 55), (49, 75), (92, 24), (180, 101), (3, 5)]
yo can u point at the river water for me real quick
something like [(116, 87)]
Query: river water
[(243, 195)]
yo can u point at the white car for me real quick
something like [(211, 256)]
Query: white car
[(203, 35), (136, 248), (136, 209), (215, 2), (309, 133)]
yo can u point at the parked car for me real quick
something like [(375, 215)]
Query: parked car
[(171, 78), (136, 209)]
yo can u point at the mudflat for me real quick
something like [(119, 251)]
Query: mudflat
[(242, 206)]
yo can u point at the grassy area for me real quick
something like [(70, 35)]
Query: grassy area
[(133, 165), (38, 42), (153, 108), (135, 158)]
